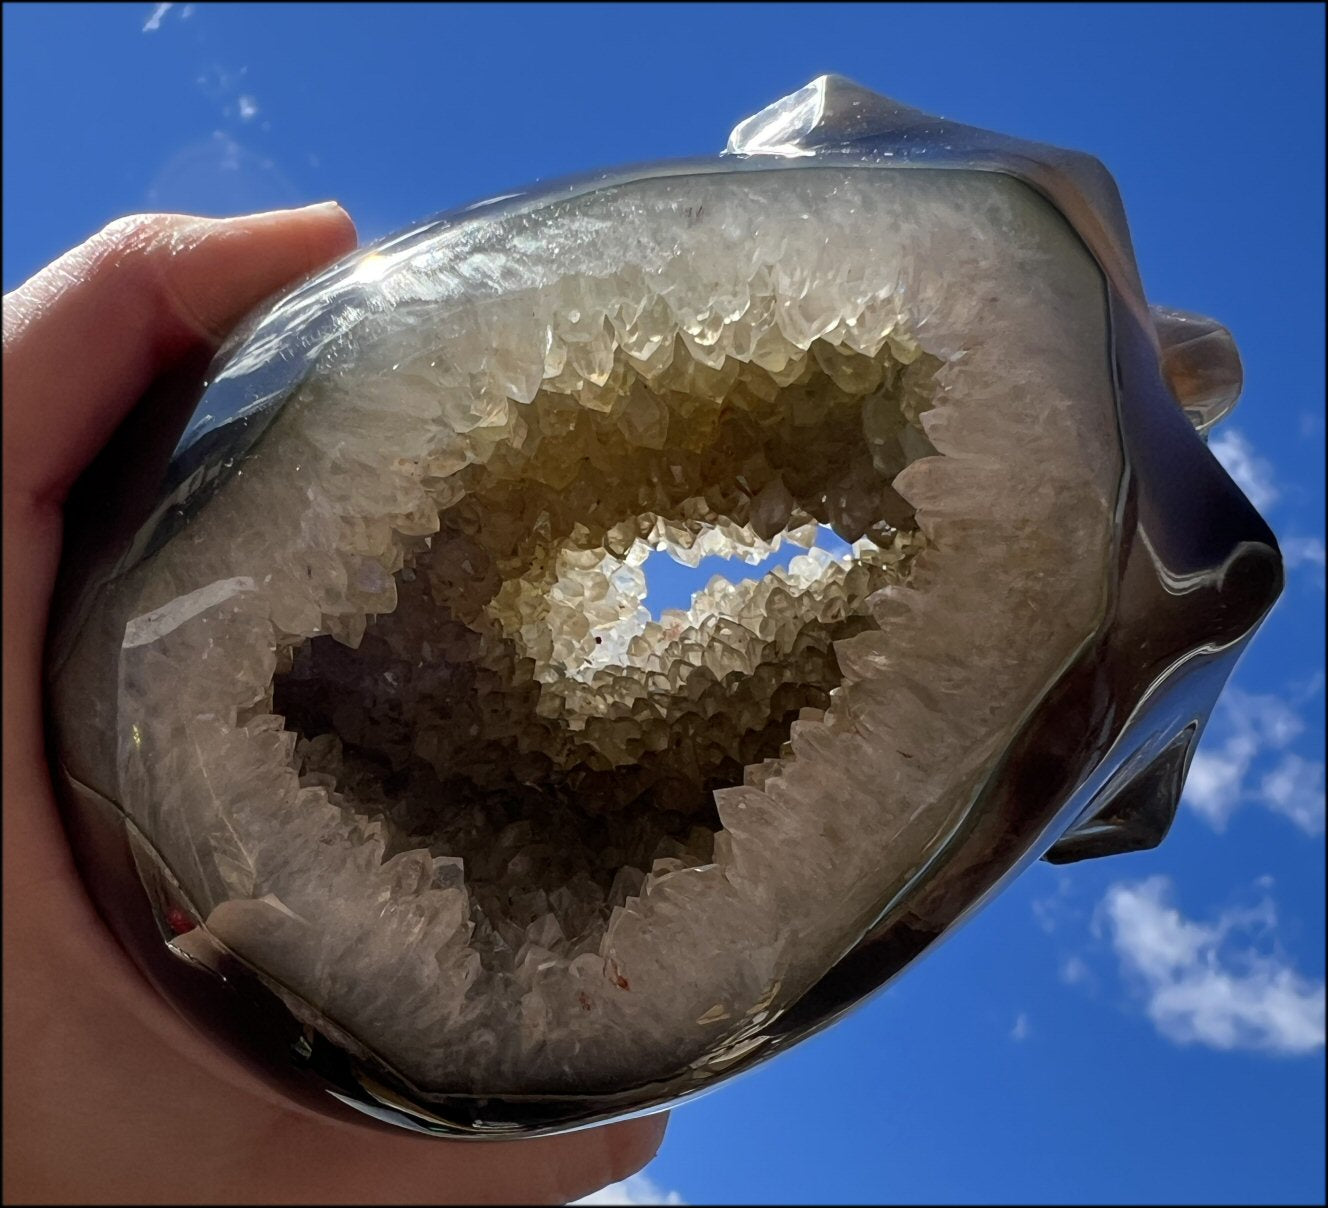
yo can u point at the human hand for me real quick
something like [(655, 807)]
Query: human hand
[(110, 1096)]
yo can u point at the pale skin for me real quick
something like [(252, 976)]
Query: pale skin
[(110, 1096)]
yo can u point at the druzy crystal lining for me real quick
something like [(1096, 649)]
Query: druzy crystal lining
[(396, 718)]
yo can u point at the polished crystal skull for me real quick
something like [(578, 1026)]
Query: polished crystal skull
[(373, 757)]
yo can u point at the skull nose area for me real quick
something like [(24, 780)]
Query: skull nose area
[(1200, 363)]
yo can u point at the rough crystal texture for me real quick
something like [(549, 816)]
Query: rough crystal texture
[(394, 713)]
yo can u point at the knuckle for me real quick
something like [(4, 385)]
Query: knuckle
[(130, 248), (144, 249), (134, 234)]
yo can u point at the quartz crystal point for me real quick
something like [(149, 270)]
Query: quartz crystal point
[(436, 820)]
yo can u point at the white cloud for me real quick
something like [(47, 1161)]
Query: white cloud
[(1302, 551), (1074, 971), (1253, 474), (248, 108), (1203, 989), (639, 1189), (1308, 552), (1245, 726), (154, 21), (1056, 909), (1022, 1029), (1295, 788)]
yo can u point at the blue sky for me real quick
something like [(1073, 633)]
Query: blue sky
[(1146, 1028)]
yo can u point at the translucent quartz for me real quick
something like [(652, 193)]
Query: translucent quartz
[(394, 713)]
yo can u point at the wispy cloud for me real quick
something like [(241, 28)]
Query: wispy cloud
[(1209, 983), (639, 1189), (1295, 788), (1305, 552), (1246, 728), (1074, 971), (1253, 474), (153, 22), (248, 108), (1022, 1029), (1056, 908)]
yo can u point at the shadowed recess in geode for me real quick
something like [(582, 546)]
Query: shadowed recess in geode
[(519, 709)]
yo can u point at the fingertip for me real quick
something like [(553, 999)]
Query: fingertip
[(624, 1149), (267, 250), (208, 272), (644, 1143), (331, 230), (325, 222)]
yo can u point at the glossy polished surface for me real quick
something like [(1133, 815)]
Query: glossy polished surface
[(1094, 767)]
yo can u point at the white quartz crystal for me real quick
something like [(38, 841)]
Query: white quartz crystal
[(392, 708)]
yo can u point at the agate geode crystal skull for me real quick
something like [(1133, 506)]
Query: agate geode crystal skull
[(373, 756)]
